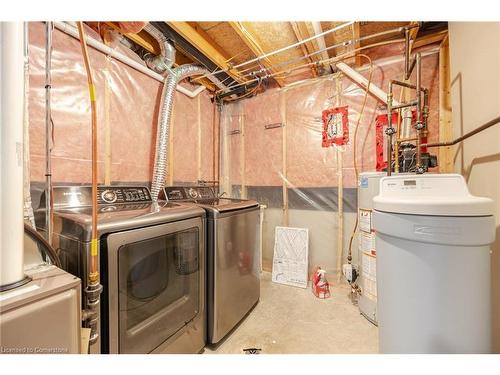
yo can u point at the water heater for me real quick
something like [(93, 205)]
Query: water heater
[(368, 188)]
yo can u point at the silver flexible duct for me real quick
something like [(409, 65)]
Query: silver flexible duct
[(167, 102), (161, 64), (166, 58)]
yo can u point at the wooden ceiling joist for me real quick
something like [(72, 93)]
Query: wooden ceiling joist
[(355, 36), (208, 47), (250, 43), (430, 39), (304, 30), (142, 38), (147, 42)]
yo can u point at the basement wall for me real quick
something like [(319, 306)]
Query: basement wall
[(127, 109), (475, 93), (257, 163)]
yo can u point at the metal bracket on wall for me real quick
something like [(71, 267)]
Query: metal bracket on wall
[(274, 125)]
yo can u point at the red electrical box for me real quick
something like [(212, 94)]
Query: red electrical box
[(335, 126), (381, 139)]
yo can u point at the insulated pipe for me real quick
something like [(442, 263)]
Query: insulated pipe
[(72, 31), (358, 78), (167, 101), (11, 150)]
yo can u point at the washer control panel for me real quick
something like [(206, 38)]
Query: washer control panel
[(179, 193), (121, 194)]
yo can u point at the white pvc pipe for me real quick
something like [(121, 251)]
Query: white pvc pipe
[(73, 31), (11, 150), (363, 82)]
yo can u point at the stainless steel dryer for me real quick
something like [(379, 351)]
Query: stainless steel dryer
[(151, 262), (233, 274)]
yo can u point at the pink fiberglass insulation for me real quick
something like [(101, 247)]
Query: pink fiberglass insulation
[(308, 165), (133, 109)]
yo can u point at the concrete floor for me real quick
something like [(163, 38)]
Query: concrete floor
[(289, 320)]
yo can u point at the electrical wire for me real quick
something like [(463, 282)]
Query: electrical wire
[(307, 56), (338, 58), (248, 94), (278, 51)]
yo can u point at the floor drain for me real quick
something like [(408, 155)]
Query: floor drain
[(251, 351)]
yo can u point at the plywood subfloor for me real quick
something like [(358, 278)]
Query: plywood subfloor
[(290, 320)]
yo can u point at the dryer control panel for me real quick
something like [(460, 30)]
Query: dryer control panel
[(119, 194), (184, 193), (81, 196)]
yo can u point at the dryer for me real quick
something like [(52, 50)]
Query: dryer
[(151, 261)]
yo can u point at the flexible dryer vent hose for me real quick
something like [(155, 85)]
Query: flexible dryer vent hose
[(167, 101)]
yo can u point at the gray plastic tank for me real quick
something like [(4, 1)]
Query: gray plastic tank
[(433, 265)]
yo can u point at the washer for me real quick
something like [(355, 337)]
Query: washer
[(151, 261), (233, 274)]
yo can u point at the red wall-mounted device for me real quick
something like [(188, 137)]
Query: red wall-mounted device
[(335, 126)]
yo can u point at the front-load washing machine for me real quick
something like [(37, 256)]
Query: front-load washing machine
[(152, 265)]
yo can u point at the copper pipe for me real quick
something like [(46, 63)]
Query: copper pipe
[(334, 59), (219, 106), (214, 113), (389, 130), (49, 133), (396, 144), (425, 111), (408, 65), (93, 275), (407, 85), (485, 126), (411, 139), (405, 105), (418, 125), (407, 53)]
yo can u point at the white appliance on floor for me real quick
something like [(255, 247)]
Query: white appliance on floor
[(433, 265)]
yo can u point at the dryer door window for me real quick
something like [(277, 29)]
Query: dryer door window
[(159, 288)]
